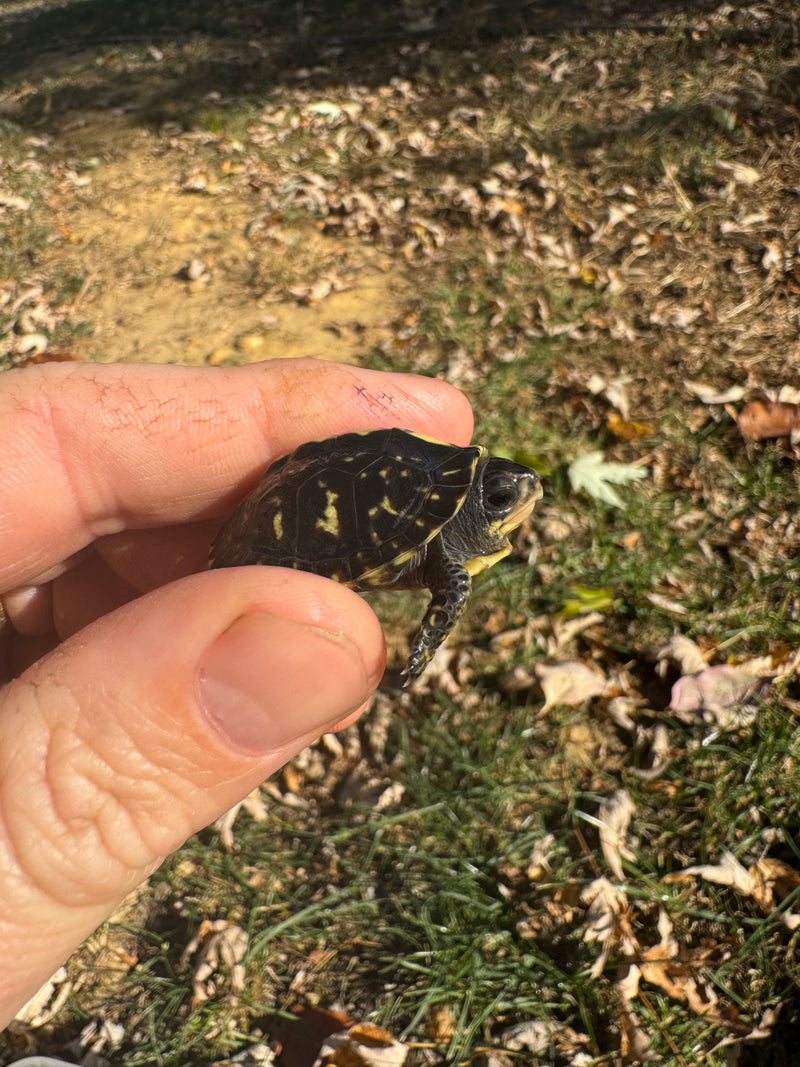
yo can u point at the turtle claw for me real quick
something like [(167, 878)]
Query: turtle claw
[(418, 660)]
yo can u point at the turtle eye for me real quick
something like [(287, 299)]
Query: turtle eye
[(500, 492)]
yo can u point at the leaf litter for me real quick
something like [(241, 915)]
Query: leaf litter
[(690, 267)]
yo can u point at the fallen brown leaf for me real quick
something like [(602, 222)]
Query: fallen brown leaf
[(569, 683), (607, 921), (50, 356), (363, 1045), (767, 881), (722, 695), (440, 1024), (627, 429), (222, 946), (614, 818), (300, 1038), (537, 1036), (761, 419), (683, 651), (711, 395), (253, 804), (676, 970), (47, 1001)]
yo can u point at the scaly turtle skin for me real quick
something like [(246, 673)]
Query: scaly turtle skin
[(385, 509)]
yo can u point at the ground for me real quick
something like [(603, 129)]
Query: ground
[(583, 823), (151, 224)]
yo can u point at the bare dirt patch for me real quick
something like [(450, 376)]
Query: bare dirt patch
[(168, 271)]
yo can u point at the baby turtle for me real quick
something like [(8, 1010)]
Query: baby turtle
[(385, 509)]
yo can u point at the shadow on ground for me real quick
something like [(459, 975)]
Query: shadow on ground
[(34, 28), (243, 42), (67, 59)]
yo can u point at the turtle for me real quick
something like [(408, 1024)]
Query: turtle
[(385, 509)]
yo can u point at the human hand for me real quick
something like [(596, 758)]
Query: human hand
[(143, 695)]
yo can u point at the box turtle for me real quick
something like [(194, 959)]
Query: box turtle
[(385, 509)]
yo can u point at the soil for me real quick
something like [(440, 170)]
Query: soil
[(170, 275)]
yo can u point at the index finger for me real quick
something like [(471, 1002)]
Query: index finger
[(94, 449)]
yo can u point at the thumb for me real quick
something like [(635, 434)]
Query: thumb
[(148, 724)]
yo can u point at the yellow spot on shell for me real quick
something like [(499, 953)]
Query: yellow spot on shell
[(277, 525), (329, 522), (385, 507)]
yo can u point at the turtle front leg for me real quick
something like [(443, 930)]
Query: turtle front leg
[(450, 585)]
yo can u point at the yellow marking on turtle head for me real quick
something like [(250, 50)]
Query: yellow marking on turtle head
[(480, 563), (329, 522), (277, 525)]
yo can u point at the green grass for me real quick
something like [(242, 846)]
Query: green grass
[(391, 913), (409, 902)]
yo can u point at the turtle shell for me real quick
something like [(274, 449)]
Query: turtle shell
[(354, 508)]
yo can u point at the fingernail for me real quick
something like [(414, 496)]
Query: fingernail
[(268, 680)]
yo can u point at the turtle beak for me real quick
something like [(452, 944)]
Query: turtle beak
[(529, 489)]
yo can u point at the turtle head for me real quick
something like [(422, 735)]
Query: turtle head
[(501, 497), (509, 492)]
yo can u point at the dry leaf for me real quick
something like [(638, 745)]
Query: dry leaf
[(719, 695), (539, 859), (16, 203), (709, 394), (257, 1055), (222, 946), (683, 651), (537, 1036), (614, 391), (727, 872), (568, 683), (253, 804), (567, 628), (761, 419), (763, 1029), (767, 882), (634, 1044), (301, 1035), (676, 970), (607, 921), (740, 173), (614, 818), (665, 603), (98, 1039), (46, 1003), (659, 754), (363, 1045), (49, 356), (440, 1024), (679, 316), (626, 429)]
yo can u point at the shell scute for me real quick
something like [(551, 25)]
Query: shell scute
[(355, 506)]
